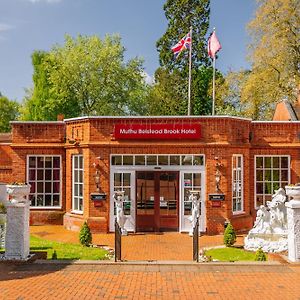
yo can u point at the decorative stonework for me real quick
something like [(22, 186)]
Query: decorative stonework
[(17, 227), (121, 218), (270, 229), (293, 213)]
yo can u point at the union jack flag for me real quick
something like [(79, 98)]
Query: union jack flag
[(184, 43)]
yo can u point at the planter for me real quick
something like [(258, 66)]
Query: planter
[(18, 193), (2, 219), (3, 193), (293, 191)]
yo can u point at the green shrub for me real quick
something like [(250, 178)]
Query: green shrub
[(260, 255), (85, 235), (229, 236), (54, 255)]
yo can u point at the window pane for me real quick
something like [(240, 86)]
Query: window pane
[(80, 162), (48, 200), (32, 162), (259, 175), (40, 187), (140, 160), (116, 160), (40, 162), (174, 160), (32, 174), (284, 162), (48, 186), (126, 179), (267, 162), (127, 160), (151, 160), (48, 175), (48, 162), (40, 174), (56, 187), (163, 160), (56, 162), (267, 175), (117, 179), (284, 175), (197, 179), (198, 160), (55, 200), (275, 175), (275, 162), (259, 162), (187, 160), (259, 188)]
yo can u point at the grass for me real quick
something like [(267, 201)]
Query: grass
[(66, 250), (230, 254)]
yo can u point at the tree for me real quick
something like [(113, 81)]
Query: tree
[(181, 14), (275, 56), (86, 76), (9, 111)]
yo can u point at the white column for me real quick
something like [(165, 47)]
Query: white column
[(17, 231), (293, 217)]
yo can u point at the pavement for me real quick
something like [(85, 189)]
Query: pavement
[(144, 278)]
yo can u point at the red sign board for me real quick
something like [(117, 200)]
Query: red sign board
[(157, 131)]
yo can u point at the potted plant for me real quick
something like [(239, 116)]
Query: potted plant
[(293, 190)]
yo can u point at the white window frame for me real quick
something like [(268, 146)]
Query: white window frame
[(60, 180), (289, 172), (73, 210), (240, 177)]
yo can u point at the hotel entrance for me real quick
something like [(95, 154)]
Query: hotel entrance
[(157, 196), (156, 190)]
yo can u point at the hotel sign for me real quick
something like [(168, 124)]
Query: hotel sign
[(157, 131)]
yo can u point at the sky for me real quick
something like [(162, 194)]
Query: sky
[(28, 25)]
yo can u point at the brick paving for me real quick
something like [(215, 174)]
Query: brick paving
[(181, 281), (149, 246)]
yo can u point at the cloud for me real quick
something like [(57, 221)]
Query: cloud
[(5, 27), (47, 1), (148, 79)]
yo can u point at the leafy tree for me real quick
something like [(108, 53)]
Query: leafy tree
[(275, 56), (260, 255), (86, 76), (9, 111), (181, 14)]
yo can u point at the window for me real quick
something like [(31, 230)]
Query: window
[(192, 181), (122, 182), (271, 173), (77, 183), (157, 160), (44, 176), (237, 183)]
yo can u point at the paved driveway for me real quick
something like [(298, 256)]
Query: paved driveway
[(96, 281)]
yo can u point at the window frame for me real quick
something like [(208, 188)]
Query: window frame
[(255, 177), (73, 210), (60, 180), (235, 193)]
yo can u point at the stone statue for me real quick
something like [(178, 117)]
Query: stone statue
[(270, 227), (121, 219), (194, 197)]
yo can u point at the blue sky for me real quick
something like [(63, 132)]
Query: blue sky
[(28, 25)]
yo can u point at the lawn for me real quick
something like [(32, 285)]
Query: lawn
[(230, 254), (66, 250)]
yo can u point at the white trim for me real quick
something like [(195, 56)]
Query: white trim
[(273, 155), (234, 168), (60, 179), (76, 212), (274, 122), (38, 122), (154, 117), (78, 156)]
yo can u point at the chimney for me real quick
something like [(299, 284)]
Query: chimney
[(60, 117)]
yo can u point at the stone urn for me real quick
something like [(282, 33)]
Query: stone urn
[(293, 191), (18, 193)]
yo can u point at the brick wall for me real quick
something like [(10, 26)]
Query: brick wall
[(93, 138)]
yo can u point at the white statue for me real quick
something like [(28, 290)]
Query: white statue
[(121, 219), (194, 198), (270, 227)]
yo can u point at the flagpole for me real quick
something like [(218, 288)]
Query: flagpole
[(214, 81), (190, 74)]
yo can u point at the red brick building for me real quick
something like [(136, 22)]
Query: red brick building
[(236, 163)]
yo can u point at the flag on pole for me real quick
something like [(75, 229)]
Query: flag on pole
[(184, 43), (213, 45)]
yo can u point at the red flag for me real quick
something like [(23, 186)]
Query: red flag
[(213, 45)]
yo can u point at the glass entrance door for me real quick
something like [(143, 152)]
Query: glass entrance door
[(157, 201)]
